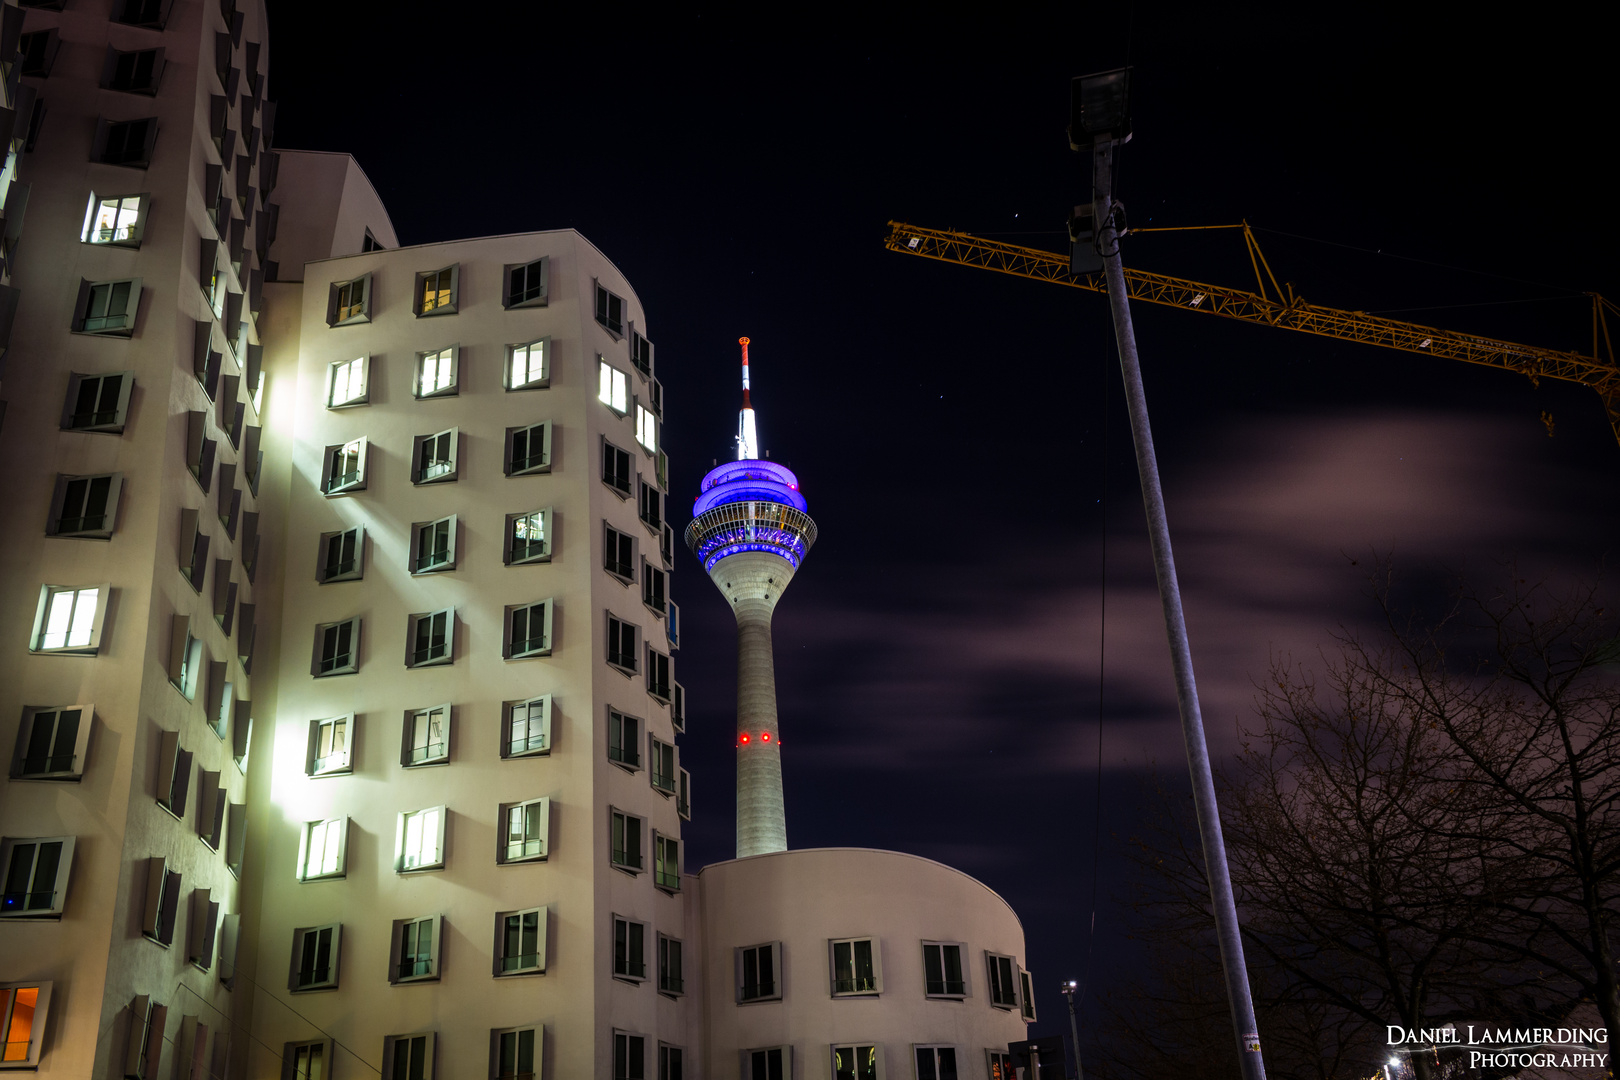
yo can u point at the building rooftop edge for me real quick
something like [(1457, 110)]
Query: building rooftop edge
[(359, 168)]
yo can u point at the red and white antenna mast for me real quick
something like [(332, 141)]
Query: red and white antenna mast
[(747, 434)]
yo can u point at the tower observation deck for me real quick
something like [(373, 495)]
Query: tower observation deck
[(750, 530)]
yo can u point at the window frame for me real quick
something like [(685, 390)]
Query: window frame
[(396, 949), (666, 880), (624, 748), (509, 650), (132, 233), (61, 876), (306, 849), (120, 414), (56, 518), (855, 1049), (614, 456), (509, 549), (656, 757), (92, 643), (999, 1064), (419, 304), (683, 794), (621, 820), (202, 929), (739, 955), (194, 544), (49, 44), (877, 966), (509, 711), (633, 1059), (413, 655), (541, 297), (537, 1051), (37, 1026), (419, 472), (363, 397), (1026, 996), (503, 832), (957, 1061), (542, 931), (747, 1056), (451, 389), (312, 761), (650, 506), (646, 428), (509, 462), (402, 829), (995, 978), (334, 954), (330, 484), (25, 737), (619, 565), (659, 679), (641, 352), (162, 901), (349, 314), (670, 1054), (961, 966), (173, 790), (187, 657), (289, 1058), (323, 563), (141, 1054), (616, 651), (392, 1044), (407, 748), (538, 382), (212, 799), (612, 387), (604, 306), (125, 327), (654, 587), (318, 657), (419, 563), (113, 60), (625, 965), (134, 159), (676, 987), (677, 707)]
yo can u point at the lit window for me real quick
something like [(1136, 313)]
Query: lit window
[(348, 383), (315, 957), (84, 506), (419, 840), (526, 284), (671, 977), (528, 630), (610, 312), (855, 966), (342, 555), (433, 545), (520, 942), (1001, 1065), (415, 949), (641, 353), (626, 840), (349, 302), (629, 949), (527, 366), (98, 402), (528, 727), (757, 966), (1003, 988), (69, 620), (431, 635), (436, 291), (51, 742), (337, 648), (943, 974), (133, 72), (616, 468), (24, 1009), (666, 862), (409, 1057), (36, 876), (657, 674), (107, 307), (114, 219), (527, 828), (433, 457), (936, 1062), (661, 764), (528, 449), (426, 737), (769, 1063), (436, 372), (618, 553), (855, 1063), (517, 1053), (623, 645), (344, 467), (624, 739), (329, 746), (646, 428), (125, 142), (324, 849), (612, 387), (629, 1056), (528, 537)]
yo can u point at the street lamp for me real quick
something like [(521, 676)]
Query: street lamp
[(1069, 989)]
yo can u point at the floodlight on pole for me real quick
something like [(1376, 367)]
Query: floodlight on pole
[(1069, 989), (1100, 108)]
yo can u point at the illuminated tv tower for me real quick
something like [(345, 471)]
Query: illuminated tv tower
[(750, 530)]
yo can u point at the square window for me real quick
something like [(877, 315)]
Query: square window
[(856, 966), (162, 901), (520, 942), (1026, 996), (625, 830), (133, 72), (426, 737), (323, 849), (24, 1011), (683, 796), (616, 472), (174, 774), (641, 353), (528, 449), (943, 973), (528, 630), (431, 638), (618, 553), (433, 457), (658, 674), (526, 283), (346, 383), (341, 556), (527, 828), (528, 727), (115, 219), (416, 949), (935, 1062), (409, 1057), (528, 366), (623, 644), (337, 648), (69, 619), (51, 742), (438, 372), (855, 1062), (344, 467), (757, 966), (349, 302), (1003, 987), (515, 1054), (528, 537), (610, 312), (329, 743), (315, 954), (651, 506), (107, 308), (306, 1060), (433, 545), (654, 587), (666, 862), (85, 507), (646, 428), (39, 50), (624, 739), (612, 387), (629, 949), (671, 974), (661, 764), (629, 1056), (1001, 1065), (125, 142), (436, 291), (98, 402), (36, 880), (768, 1063), (419, 840)]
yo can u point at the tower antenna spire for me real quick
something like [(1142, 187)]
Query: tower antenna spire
[(747, 433)]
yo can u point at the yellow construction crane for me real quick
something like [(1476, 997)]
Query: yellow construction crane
[(1275, 305)]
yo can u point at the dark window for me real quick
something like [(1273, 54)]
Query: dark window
[(936, 1063), (626, 841), (149, 13), (433, 546), (371, 243), (609, 310), (84, 505), (127, 142), (431, 639), (767, 1065), (96, 405), (629, 949), (109, 308), (31, 877), (942, 970), (652, 506), (629, 1057), (315, 958), (618, 553), (528, 449), (641, 352), (526, 283), (515, 1055), (853, 972), (528, 631), (520, 945), (616, 468), (337, 648), (416, 949), (670, 981), (652, 590), (38, 50), (758, 973), (624, 744), (657, 674), (621, 644), (52, 743), (341, 558), (435, 457), (135, 71)]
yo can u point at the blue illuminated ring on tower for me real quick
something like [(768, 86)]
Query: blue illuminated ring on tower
[(749, 481), (753, 525)]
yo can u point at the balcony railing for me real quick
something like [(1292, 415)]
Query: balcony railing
[(411, 969), (420, 754), (315, 976), (750, 526), (521, 962), (624, 755), (16, 903)]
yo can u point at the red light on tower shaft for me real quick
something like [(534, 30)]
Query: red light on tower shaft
[(765, 736), (744, 738)]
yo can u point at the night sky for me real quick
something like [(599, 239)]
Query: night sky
[(960, 435)]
